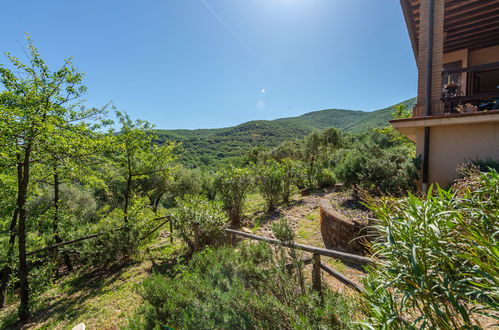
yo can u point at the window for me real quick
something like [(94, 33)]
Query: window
[(452, 77)]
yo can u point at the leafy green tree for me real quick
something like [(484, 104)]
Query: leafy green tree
[(36, 102), (72, 152), (316, 149), (232, 186), (136, 157)]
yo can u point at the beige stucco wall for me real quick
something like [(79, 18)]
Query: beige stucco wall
[(455, 144)]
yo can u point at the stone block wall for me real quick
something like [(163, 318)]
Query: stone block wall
[(339, 232)]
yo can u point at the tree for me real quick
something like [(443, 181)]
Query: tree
[(232, 186), (36, 102), (136, 157), (70, 152), (316, 148), (291, 176), (269, 180)]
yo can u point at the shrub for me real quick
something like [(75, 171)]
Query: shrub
[(291, 177), (236, 289), (382, 171), (118, 244), (486, 165), (269, 179), (438, 258), (232, 185), (184, 181), (206, 214), (208, 187)]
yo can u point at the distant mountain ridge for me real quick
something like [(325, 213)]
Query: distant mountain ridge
[(209, 147)]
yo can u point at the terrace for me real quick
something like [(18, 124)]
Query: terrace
[(464, 70)]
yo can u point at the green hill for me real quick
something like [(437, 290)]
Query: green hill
[(209, 147)]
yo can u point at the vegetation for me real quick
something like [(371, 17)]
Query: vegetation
[(218, 147), (66, 176), (232, 185), (439, 257), (206, 215), (239, 288), (56, 152)]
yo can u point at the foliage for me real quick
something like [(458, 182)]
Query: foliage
[(438, 258), (232, 186), (183, 181), (291, 177), (269, 180), (236, 289), (118, 244), (485, 165), (377, 169), (219, 147), (136, 157), (37, 107), (207, 215)]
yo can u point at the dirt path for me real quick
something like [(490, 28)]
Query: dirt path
[(303, 215)]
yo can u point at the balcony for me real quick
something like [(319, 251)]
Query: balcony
[(471, 89)]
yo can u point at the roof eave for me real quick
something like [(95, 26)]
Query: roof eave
[(406, 9)]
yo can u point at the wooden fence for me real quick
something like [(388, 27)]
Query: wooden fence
[(317, 264), (166, 219), (316, 251)]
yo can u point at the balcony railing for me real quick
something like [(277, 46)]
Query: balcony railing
[(481, 92)]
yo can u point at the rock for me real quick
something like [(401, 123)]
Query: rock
[(80, 326)]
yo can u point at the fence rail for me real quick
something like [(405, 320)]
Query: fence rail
[(317, 264), (348, 257), (55, 246)]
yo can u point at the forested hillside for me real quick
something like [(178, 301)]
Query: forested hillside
[(211, 147)]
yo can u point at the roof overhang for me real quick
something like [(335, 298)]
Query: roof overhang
[(409, 126), (471, 24)]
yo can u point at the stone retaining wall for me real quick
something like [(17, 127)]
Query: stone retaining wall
[(339, 232)]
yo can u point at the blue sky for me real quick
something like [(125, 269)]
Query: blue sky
[(216, 63)]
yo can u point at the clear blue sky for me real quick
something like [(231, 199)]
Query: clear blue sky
[(215, 63)]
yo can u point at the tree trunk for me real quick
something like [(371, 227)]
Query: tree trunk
[(156, 203), (127, 197), (235, 219), (23, 265), (55, 225), (128, 189)]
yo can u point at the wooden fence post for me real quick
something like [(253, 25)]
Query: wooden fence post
[(196, 237), (171, 231), (316, 274)]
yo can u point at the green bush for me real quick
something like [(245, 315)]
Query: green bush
[(378, 170), (232, 186), (269, 179), (207, 215), (184, 181), (439, 258), (291, 176), (208, 187), (118, 243), (236, 289), (485, 165)]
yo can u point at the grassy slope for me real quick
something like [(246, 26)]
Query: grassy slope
[(211, 147)]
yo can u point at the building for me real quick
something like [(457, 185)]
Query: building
[(456, 117)]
